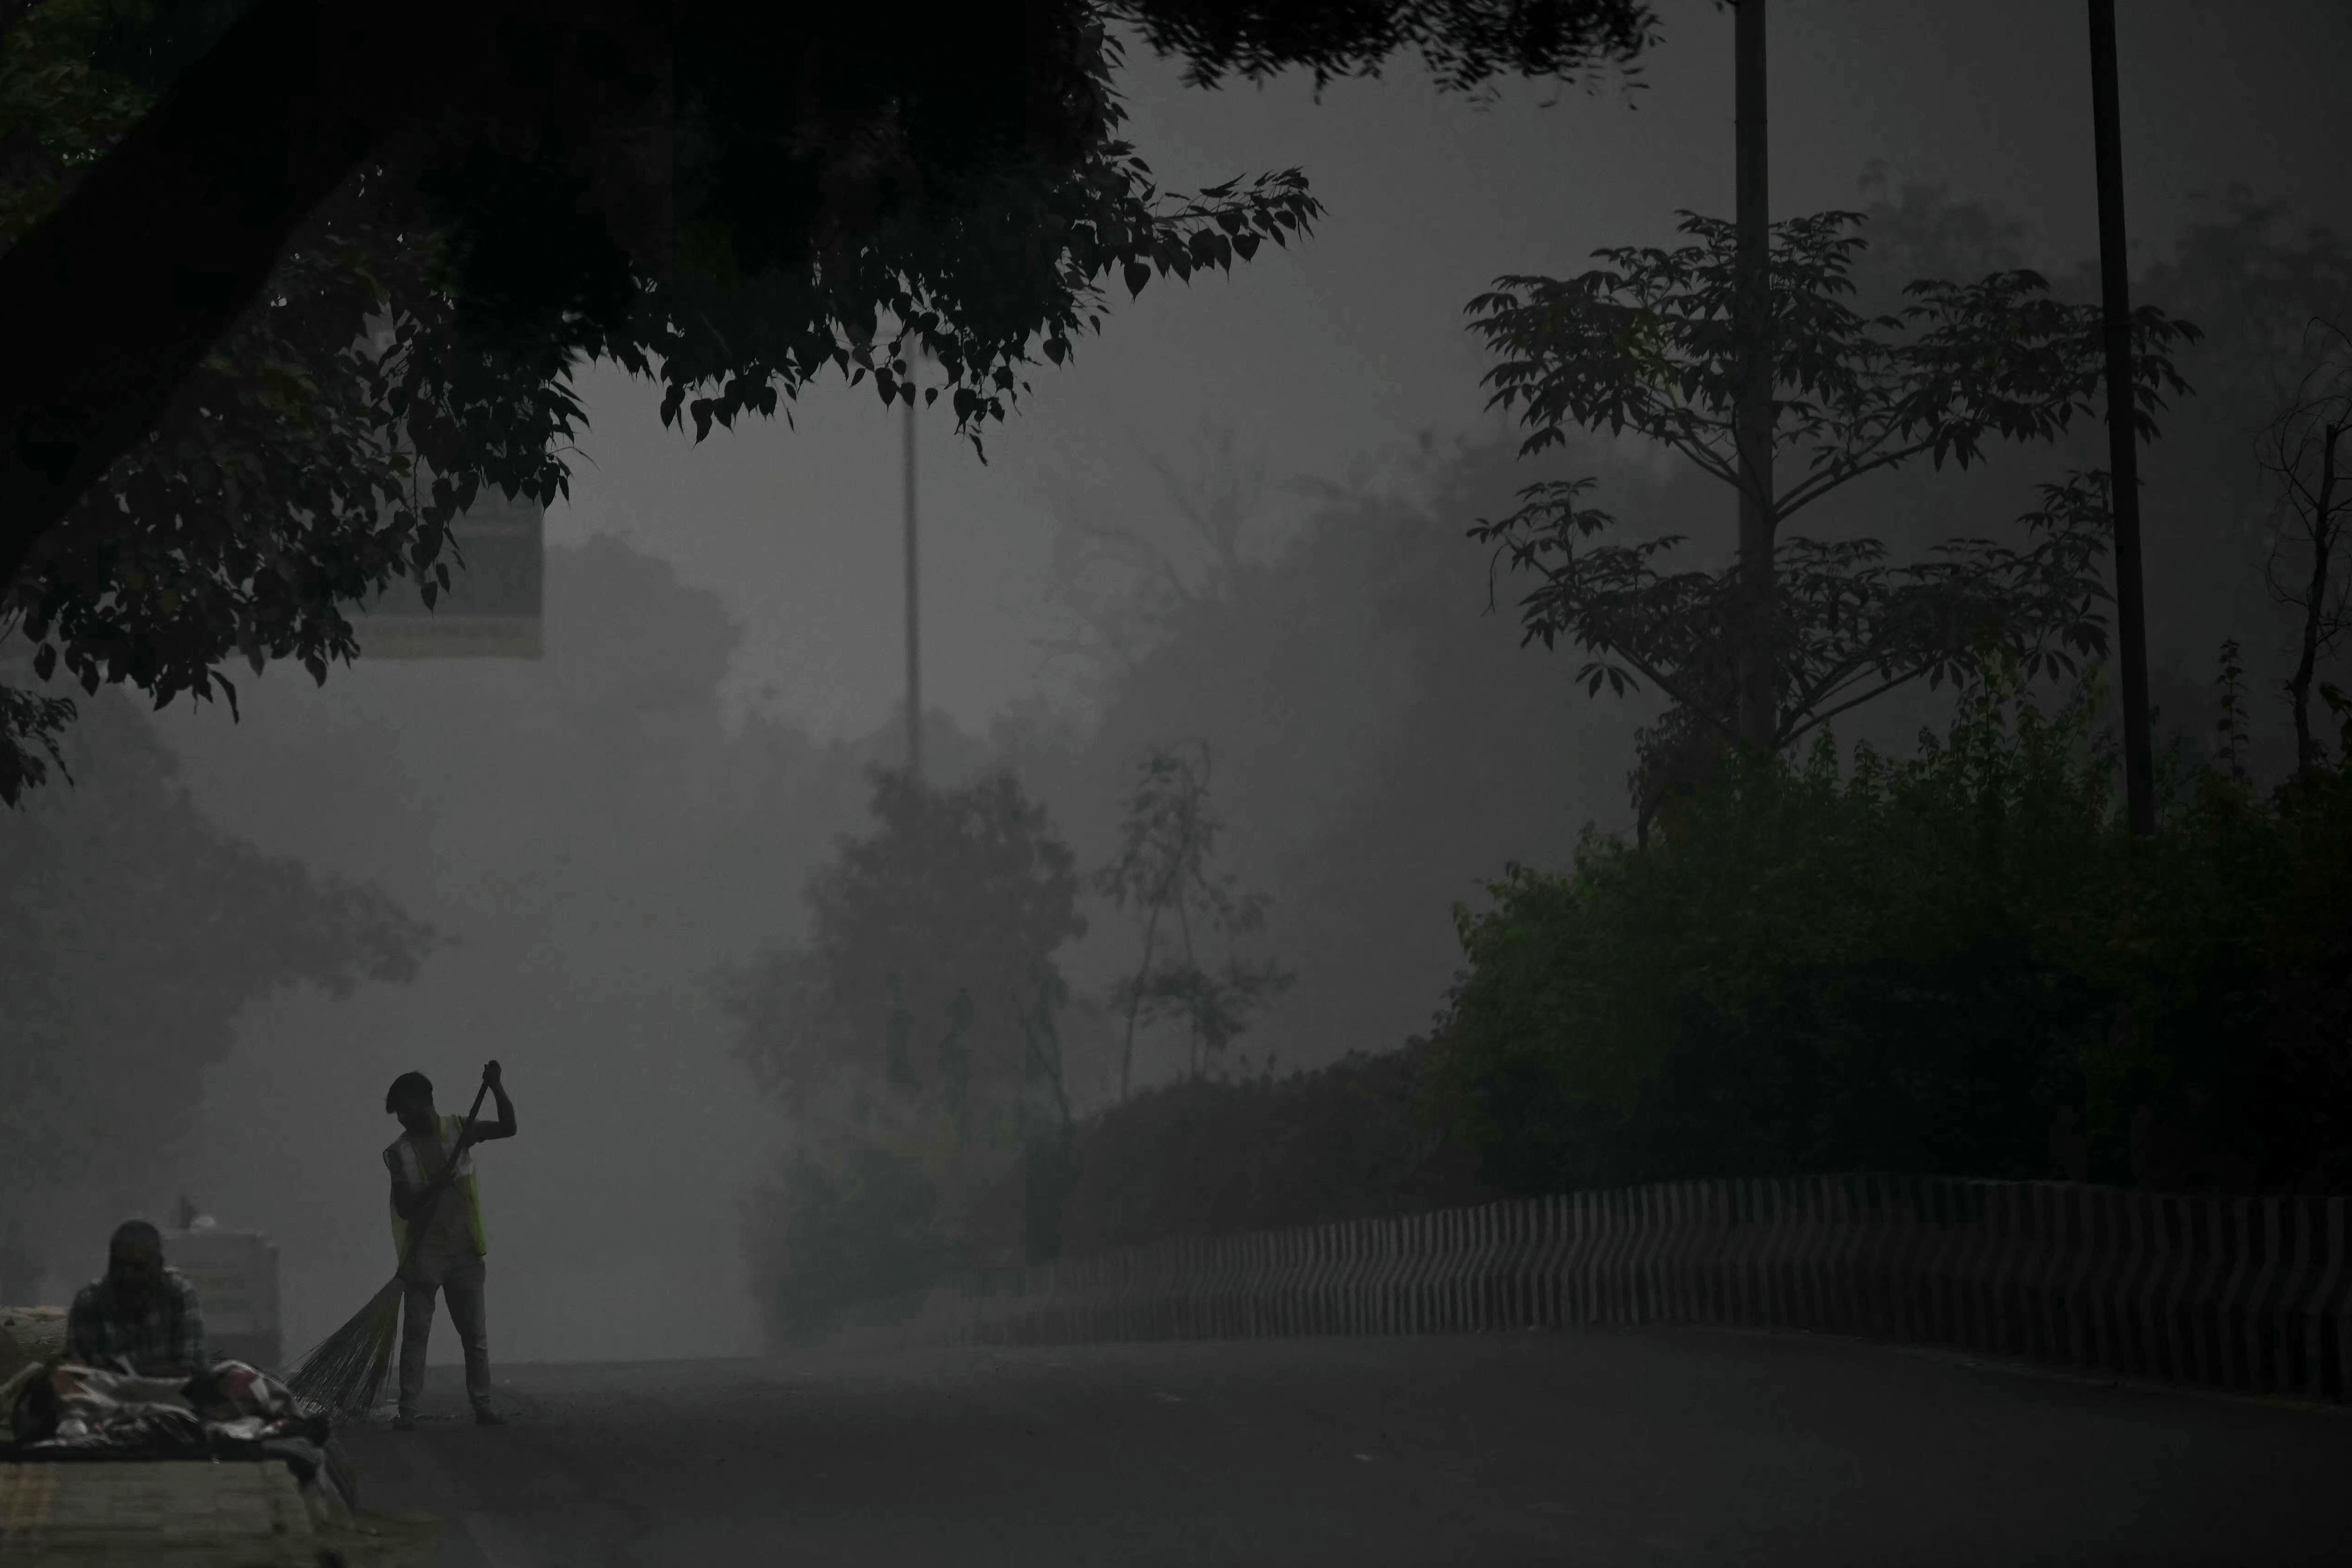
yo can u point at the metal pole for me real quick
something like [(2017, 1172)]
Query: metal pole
[(2122, 453), (914, 644)]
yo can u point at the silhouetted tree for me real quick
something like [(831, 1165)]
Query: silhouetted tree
[(1695, 348), (2254, 277), (1371, 739), (2307, 455), (1161, 871), (318, 452), (1647, 344), (733, 198), (136, 934), (1047, 1128), (1123, 584), (947, 916)]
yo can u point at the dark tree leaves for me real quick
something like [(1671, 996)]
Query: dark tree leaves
[(1645, 344), (415, 344), (1462, 43)]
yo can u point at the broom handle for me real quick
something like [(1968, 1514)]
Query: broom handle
[(440, 1184)]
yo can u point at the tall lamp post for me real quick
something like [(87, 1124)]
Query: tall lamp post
[(914, 644), (2122, 441)]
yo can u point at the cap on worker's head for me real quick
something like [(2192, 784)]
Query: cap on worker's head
[(406, 1084), (133, 1234)]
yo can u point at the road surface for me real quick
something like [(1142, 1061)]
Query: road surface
[(1601, 1448)]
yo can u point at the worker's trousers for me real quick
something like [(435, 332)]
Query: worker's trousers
[(460, 1278)]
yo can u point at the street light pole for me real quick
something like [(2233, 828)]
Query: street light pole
[(2122, 440), (914, 621)]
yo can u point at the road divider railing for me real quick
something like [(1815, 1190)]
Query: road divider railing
[(2250, 1294)]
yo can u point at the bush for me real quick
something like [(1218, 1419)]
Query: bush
[(838, 1248), (1211, 1157), (1922, 966), (912, 1039)]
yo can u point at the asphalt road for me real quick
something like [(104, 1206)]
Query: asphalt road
[(1603, 1448)]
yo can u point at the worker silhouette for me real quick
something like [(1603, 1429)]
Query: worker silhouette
[(448, 1260)]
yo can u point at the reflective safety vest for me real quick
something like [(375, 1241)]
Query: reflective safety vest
[(402, 1158)]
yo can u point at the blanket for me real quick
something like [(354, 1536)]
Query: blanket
[(231, 1411)]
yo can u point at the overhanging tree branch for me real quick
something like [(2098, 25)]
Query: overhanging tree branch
[(735, 198)]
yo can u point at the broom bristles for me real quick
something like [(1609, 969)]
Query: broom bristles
[(344, 1371)]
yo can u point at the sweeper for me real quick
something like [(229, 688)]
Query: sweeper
[(437, 1206)]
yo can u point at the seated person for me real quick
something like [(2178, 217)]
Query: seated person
[(142, 1316)]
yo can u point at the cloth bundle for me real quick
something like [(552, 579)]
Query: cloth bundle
[(76, 1411), (67, 1411)]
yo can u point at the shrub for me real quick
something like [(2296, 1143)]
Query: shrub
[(1914, 966), (841, 1247), (1211, 1157)]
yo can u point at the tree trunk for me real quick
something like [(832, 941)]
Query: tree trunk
[(1753, 415), (1184, 928), (2123, 440), (2314, 605), (1135, 1005)]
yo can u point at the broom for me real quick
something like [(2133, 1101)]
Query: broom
[(344, 1371)]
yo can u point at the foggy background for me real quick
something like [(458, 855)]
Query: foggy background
[(595, 835)]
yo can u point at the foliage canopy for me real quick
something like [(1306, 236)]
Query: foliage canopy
[(1166, 843), (1649, 344), (734, 199), (909, 1015), (138, 933)]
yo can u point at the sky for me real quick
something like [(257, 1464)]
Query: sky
[(570, 844), (1330, 358)]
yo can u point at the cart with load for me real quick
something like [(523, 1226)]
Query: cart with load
[(230, 1469)]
